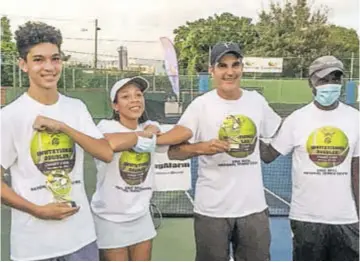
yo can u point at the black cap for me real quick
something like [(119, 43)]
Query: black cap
[(221, 49)]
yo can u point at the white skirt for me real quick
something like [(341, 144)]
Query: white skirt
[(123, 234)]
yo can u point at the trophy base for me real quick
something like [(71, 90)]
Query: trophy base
[(72, 204)]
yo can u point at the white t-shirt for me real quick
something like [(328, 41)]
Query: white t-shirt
[(323, 144), (124, 186), (37, 160), (230, 184)]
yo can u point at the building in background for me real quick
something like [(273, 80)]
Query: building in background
[(123, 57), (156, 65)]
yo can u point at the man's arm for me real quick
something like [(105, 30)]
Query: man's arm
[(355, 180), (267, 152), (10, 198), (98, 148), (186, 150), (282, 141), (177, 135), (54, 211), (183, 151), (270, 126)]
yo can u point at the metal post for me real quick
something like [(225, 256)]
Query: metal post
[(209, 55), (191, 88), (20, 80), (107, 81), (352, 66), (73, 77), (154, 83), (14, 72), (96, 43)]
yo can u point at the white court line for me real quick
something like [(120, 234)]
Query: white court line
[(189, 197), (282, 200), (276, 196)]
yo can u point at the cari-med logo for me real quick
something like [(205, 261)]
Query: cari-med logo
[(327, 146), (240, 131)]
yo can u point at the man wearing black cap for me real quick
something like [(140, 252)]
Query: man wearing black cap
[(224, 126), (324, 139)]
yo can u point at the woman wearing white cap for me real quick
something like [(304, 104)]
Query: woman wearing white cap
[(124, 187)]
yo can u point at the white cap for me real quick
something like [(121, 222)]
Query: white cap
[(140, 81)]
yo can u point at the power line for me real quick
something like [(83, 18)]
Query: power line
[(46, 18), (111, 40), (106, 55), (87, 53)]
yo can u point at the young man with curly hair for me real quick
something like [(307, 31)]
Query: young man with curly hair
[(43, 138)]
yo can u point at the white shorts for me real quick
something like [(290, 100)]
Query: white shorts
[(123, 234)]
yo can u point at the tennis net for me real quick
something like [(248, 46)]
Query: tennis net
[(277, 190)]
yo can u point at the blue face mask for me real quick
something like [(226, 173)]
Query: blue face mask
[(328, 94)]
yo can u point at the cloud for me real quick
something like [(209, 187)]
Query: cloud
[(145, 19)]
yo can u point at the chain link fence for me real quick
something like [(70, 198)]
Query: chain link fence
[(93, 86)]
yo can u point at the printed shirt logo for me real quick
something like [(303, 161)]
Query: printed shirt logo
[(240, 131), (134, 167), (327, 146), (54, 156)]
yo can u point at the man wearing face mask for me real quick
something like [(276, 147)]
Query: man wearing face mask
[(324, 139)]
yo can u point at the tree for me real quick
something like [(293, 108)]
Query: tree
[(293, 30), (344, 43), (193, 40), (8, 53)]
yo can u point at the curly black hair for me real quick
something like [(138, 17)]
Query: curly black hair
[(33, 33)]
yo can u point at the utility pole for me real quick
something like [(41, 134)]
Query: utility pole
[(96, 42)]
